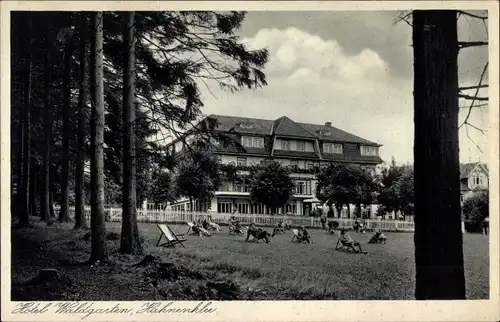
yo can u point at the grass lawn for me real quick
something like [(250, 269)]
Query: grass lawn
[(225, 267)]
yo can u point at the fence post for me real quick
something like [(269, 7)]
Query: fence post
[(312, 222)]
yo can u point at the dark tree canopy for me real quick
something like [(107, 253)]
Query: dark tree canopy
[(198, 176), (271, 185)]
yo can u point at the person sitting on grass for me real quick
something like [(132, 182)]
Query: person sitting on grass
[(303, 235), (332, 226), (362, 227), (348, 242), (237, 227), (205, 224), (378, 238), (257, 233), (279, 229), (196, 229)]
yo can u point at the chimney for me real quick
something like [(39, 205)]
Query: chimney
[(329, 124)]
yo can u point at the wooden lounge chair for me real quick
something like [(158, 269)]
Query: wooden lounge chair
[(296, 237), (172, 239)]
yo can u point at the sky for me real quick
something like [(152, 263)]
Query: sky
[(351, 68)]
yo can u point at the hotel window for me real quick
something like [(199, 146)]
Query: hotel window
[(246, 141), (332, 148), (258, 142), (219, 159), (301, 146), (238, 185), (300, 188), (294, 164), (243, 208), (242, 162), (285, 145), (369, 150), (252, 142), (310, 165), (224, 207)]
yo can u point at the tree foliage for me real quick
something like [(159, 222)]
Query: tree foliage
[(342, 184), (397, 192), (271, 185), (198, 176), (476, 209)]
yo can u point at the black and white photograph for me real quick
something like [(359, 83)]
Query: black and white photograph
[(165, 155)]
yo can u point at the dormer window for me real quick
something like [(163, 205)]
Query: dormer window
[(252, 142), (332, 148), (246, 126), (369, 150), (325, 133)]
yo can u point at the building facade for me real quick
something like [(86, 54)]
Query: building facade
[(473, 178), (302, 147)]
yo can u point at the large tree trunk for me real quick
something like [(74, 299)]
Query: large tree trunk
[(438, 236), (68, 53), (130, 243), (80, 221), (97, 222), (24, 194), (33, 185), (45, 195), (339, 210)]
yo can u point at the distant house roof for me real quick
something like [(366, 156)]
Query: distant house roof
[(466, 168), (284, 126)]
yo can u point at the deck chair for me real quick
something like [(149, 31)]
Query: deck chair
[(296, 239), (172, 239)]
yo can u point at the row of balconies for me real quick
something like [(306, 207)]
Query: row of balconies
[(300, 188)]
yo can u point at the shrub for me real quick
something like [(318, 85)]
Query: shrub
[(475, 209)]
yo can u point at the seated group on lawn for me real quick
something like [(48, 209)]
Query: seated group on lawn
[(200, 229), (257, 233), (280, 228)]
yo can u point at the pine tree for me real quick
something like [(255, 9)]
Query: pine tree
[(438, 236)]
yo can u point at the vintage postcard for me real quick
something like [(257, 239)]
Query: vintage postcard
[(250, 161)]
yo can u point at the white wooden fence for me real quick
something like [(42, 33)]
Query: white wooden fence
[(155, 216)]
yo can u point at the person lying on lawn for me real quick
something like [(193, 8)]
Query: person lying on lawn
[(378, 238), (303, 235), (346, 240), (257, 233)]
